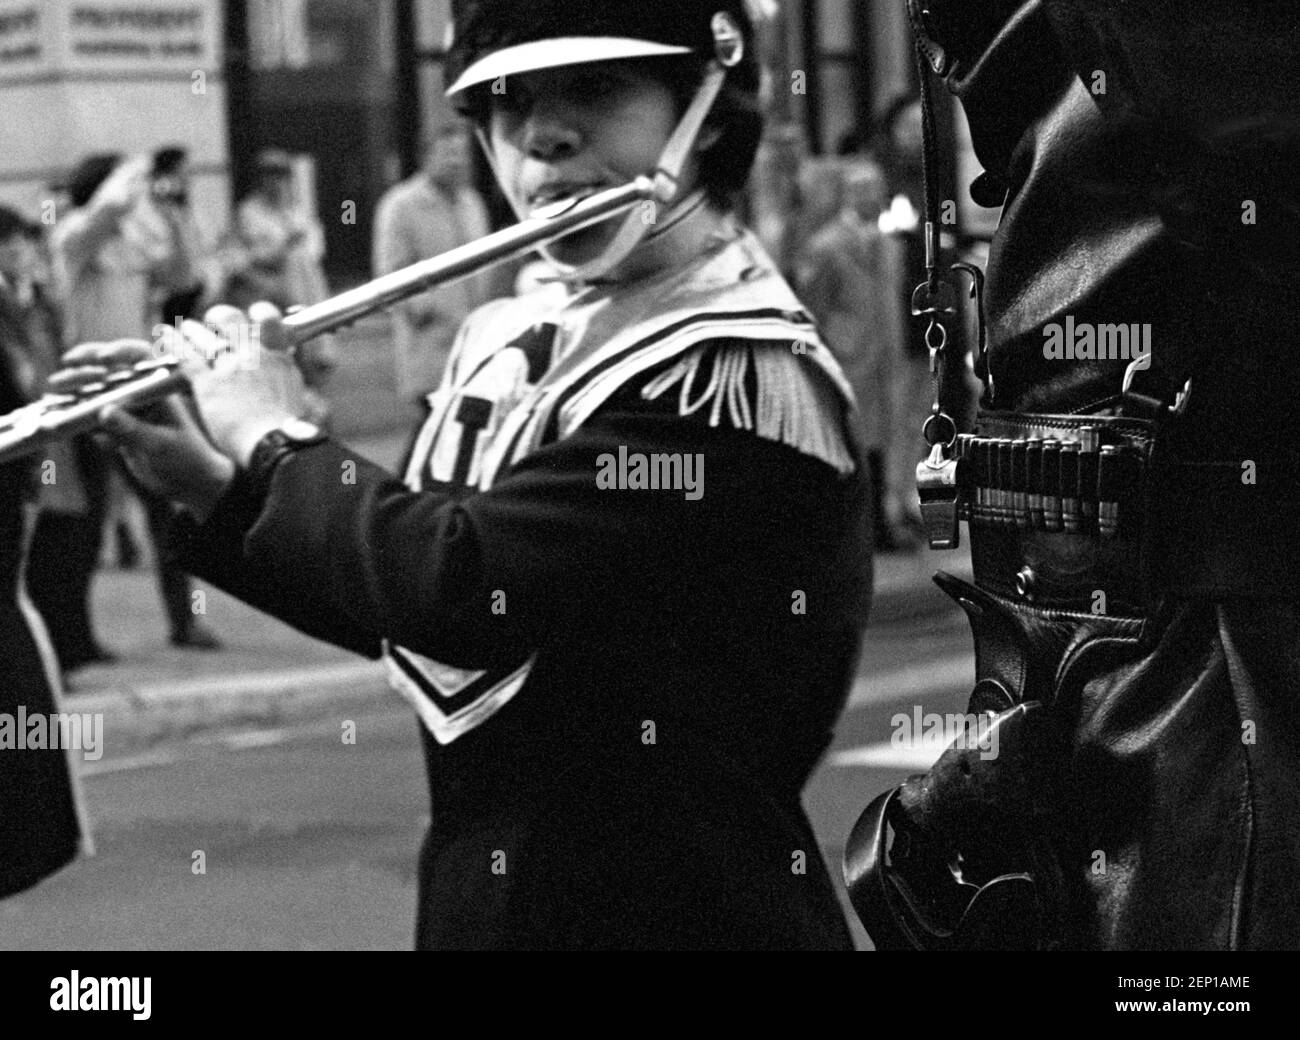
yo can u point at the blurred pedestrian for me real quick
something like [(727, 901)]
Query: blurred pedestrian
[(846, 278), (171, 197), (170, 191), (113, 252), (430, 213), (775, 197), (281, 250), (820, 200), (39, 826)]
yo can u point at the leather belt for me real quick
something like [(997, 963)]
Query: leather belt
[(1055, 505), (1096, 515)]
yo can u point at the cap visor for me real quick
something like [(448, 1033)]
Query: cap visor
[(563, 50)]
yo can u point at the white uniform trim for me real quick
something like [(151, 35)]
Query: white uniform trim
[(447, 680)]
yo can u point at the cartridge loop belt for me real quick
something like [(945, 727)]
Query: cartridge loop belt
[(1095, 515)]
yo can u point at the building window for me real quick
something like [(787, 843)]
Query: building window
[(300, 34)]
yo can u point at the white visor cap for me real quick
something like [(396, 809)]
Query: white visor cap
[(557, 52)]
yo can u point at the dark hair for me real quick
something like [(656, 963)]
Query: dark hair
[(12, 223), (89, 174), (724, 167), (166, 161)]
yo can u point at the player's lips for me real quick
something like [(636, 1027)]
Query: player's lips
[(563, 191)]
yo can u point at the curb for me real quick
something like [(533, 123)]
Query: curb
[(143, 715)]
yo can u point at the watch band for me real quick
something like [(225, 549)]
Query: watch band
[(273, 449)]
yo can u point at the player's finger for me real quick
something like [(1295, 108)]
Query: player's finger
[(270, 323)]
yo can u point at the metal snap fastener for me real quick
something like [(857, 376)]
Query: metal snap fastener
[(1026, 581)]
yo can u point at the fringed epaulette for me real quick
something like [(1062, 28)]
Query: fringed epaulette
[(783, 401)]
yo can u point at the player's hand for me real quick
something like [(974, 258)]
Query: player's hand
[(162, 444), (252, 384)]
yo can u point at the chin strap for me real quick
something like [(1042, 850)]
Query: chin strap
[(640, 224)]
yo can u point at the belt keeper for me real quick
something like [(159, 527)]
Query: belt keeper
[(1070, 511), (1052, 511), (1034, 481)]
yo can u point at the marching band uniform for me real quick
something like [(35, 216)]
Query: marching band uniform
[(40, 829), (622, 690)]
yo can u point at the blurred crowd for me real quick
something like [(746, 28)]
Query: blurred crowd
[(122, 252), (118, 252), (846, 231)]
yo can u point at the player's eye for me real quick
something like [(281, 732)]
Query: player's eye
[(511, 96), (595, 86)]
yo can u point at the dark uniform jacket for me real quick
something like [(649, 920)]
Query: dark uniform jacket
[(39, 829), (1147, 154), (622, 690)]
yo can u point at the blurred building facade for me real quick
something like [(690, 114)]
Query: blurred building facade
[(349, 83)]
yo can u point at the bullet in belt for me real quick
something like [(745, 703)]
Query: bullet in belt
[(1089, 453), (1052, 514), (1070, 511), (1002, 484), (980, 474), (1108, 485), (1019, 483), (1034, 481), (965, 473)]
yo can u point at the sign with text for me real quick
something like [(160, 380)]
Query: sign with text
[(25, 38), (140, 35)]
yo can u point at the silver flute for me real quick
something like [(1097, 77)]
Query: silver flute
[(27, 430)]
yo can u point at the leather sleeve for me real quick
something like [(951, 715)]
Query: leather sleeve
[(1223, 78)]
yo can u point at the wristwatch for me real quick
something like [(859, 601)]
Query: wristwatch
[(290, 436)]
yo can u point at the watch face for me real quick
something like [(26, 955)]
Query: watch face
[(299, 429)]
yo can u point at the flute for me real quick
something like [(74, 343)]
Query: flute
[(27, 430)]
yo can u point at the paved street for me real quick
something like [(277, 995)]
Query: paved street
[(310, 843)]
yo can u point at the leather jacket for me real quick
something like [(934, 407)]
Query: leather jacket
[(1129, 139), (1145, 153), (1146, 156)]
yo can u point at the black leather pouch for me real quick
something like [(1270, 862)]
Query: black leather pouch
[(963, 857)]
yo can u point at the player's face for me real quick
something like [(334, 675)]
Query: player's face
[(570, 132)]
